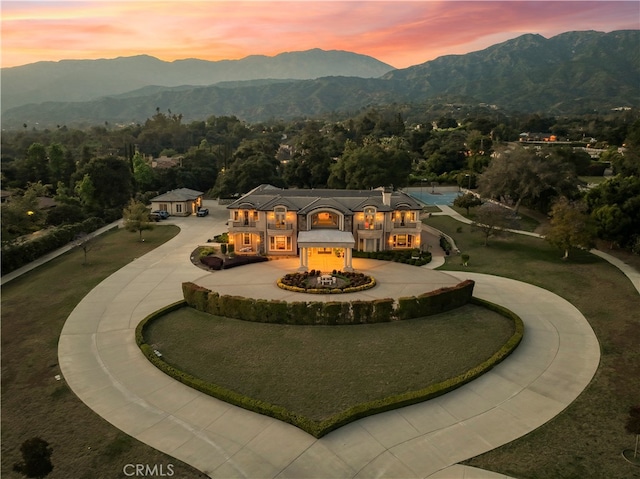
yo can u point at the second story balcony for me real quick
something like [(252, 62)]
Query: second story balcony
[(280, 226), (372, 226), (406, 224), (242, 224)]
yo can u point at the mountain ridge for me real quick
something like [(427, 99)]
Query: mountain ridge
[(85, 80), (574, 72)]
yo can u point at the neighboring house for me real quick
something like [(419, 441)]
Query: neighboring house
[(5, 196), (275, 221), (46, 203), (166, 162), (180, 202)]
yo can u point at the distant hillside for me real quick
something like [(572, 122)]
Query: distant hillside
[(576, 72), (83, 80)]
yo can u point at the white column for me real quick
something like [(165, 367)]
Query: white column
[(347, 260), (302, 253)]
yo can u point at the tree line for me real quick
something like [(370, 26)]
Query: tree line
[(95, 172)]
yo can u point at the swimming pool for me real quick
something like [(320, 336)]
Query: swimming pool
[(438, 198)]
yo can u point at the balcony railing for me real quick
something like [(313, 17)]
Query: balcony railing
[(370, 227), (247, 223), (405, 224), (280, 226)]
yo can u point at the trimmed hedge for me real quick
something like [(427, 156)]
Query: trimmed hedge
[(327, 313), (321, 428), (16, 255), (414, 257)]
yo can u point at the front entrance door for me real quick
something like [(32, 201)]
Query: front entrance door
[(370, 244)]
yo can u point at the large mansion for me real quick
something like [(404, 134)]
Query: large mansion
[(274, 221)]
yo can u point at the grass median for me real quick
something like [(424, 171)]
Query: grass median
[(320, 372), (586, 440), (34, 309)]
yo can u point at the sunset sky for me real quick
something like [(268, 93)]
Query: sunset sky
[(399, 33)]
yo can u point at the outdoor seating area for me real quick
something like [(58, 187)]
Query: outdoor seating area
[(326, 280)]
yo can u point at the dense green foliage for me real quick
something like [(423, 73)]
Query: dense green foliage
[(96, 172), (323, 313)]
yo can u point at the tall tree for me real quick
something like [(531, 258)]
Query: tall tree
[(615, 206), (112, 181), (523, 176), (136, 218), (371, 165), (142, 173), (493, 220), (467, 201), (61, 164), (570, 226)]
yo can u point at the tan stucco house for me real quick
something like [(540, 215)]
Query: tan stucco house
[(274, 221), (180, 202)]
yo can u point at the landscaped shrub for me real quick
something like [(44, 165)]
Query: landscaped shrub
[(362, 311), (213, 262), (408, 308), (445, 245), (331, 313), (318, 312), (306, 282), (407, 256), (242, 260), (195, 296), (382, 310)]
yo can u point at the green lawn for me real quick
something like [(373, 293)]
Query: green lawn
[(525, 222), (319, 371), (586, 440), (34, 309)]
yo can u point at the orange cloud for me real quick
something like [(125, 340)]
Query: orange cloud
[(399, 33)]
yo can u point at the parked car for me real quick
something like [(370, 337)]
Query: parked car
[(202, 212), (154, 217), (163, 214)]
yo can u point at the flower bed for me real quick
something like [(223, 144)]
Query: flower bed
[(309, 282)]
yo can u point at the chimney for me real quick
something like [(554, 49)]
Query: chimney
[(386, 196)]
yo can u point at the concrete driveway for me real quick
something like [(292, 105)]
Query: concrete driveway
[(103, 366)]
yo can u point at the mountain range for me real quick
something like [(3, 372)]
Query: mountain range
[(575, 72)]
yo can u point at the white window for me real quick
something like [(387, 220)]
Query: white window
[(402, 241), (246, 239), (280, 213), (178, 208), (369, 218), (280, 243)]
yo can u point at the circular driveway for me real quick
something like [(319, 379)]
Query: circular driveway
[(103, 366)]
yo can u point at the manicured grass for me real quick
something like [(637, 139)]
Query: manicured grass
[(586, 440), (525, 222), (34, 309), (319, 371)]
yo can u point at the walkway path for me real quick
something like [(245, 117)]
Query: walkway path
[(54, 254), (102, 364)]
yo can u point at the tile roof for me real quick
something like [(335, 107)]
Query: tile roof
[(266, 197), (181, 194)]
